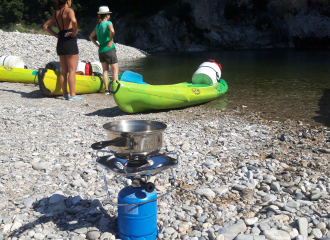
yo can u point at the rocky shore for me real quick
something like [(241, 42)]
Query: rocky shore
[(37, 50), (239, 177)]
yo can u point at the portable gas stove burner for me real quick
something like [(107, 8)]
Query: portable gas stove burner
[(134, 153), (140, 167)]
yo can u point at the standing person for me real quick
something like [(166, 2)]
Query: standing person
[(67, 47), (105, 32)]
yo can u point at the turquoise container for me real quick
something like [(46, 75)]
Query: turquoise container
[(137, 222)]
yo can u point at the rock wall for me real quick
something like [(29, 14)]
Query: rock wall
[(194, 25)]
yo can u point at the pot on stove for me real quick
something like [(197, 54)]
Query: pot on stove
[(133, 139)]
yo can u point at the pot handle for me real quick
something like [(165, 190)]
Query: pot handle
[(118, 142)]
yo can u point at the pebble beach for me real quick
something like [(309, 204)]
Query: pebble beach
[(37, 50), (239, 176)]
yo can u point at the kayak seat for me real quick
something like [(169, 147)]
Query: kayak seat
[(129, 76)]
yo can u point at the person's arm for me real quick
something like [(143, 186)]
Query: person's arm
[(112, 34), (73, 19), (92, 38), (48, 24)]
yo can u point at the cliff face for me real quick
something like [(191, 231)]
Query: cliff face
[(193, 25)]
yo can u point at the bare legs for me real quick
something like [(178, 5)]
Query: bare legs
[(68, 65), (105, 67), (114, 69), (72, 61), (64, 74)]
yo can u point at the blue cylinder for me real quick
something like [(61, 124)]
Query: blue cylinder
[(137, 222)]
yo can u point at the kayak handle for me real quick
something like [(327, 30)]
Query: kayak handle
[(116, 89)]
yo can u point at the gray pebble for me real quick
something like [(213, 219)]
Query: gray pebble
[(29, 202), (269, 198), (93, 235), (303, 226), (40, 165), (263, 226)]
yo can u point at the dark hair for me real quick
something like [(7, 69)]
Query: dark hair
[(60, 3), (101, 17)]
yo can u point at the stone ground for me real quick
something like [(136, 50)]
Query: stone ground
[(239, 176)]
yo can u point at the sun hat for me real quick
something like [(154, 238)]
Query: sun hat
[(104, 10)]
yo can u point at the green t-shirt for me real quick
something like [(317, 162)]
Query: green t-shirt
[(103, 36)]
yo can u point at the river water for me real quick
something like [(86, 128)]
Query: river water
[(279, 84)]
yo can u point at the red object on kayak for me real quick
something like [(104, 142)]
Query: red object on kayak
[(79, 73), (211, 60), (88, 69)]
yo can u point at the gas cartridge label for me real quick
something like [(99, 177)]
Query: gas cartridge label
[(131, 210)]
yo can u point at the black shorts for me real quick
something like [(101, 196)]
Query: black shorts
[(67, 45), (109, 56)]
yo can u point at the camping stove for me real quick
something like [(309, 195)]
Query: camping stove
[(137, 204), (134, 153)]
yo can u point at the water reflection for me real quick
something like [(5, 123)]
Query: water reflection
[(324, 109), (279, 83)]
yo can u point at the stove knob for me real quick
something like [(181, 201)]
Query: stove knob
[(148, 187)]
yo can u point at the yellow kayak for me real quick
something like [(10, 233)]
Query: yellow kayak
[(19, 75), (49, 83)]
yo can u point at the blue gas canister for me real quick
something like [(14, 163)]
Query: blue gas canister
[(137, 222)]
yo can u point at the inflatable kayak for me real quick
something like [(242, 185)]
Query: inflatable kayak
[(134, 97), (49, 83), (19, 75)]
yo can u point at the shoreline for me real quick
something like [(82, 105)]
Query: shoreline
[(238, 176)]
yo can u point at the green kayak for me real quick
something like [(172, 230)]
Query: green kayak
[(134, 97)]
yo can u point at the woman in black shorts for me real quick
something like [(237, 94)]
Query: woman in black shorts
[(67, 47)]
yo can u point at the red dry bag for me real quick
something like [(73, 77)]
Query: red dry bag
[(88, 69)]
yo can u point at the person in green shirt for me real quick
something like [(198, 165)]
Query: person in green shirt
[(105, 32)]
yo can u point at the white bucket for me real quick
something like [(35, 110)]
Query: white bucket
[(207, 73), (81, 67), (11, 61), (97, 67)]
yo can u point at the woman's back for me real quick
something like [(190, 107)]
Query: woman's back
[(103, 32), (62, 18)]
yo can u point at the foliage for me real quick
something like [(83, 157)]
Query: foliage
[(12, 11), (24, 28), (38, 11)]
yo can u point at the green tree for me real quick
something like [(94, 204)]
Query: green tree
[(11, 11)]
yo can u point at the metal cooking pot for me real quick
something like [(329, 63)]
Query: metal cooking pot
[(133, 139)]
